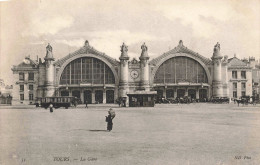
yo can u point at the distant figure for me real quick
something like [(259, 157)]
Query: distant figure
[(109, 118), (51, 108), (86, 104)]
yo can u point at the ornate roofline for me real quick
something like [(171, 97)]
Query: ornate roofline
[(86, 50), (181, 49)]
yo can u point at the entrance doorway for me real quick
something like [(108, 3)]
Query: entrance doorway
[(169, 93), (64, 93), (99, 96), (192, 93), (87, 97), (76, 94), (159, 96), (110, 96), (203, 94), (180, 93)]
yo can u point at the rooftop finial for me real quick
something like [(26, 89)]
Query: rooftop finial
[(86, 43), (180, 43)]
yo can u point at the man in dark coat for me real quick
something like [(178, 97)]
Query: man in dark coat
[(109, 119)]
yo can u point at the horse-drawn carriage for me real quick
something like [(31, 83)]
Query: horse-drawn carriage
[(245, 100), (57, 102), (220, 100)]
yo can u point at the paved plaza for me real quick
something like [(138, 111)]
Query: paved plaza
[(192, 134)]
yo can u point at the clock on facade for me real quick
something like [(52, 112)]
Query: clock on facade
[(134, 74)]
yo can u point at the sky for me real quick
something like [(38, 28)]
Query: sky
[(27, 26)]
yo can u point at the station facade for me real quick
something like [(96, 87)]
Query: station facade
[(95, 77)]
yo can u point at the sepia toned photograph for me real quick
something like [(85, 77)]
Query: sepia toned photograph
[(115, 82)]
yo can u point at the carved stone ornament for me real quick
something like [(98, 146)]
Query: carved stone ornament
[(124, 62), (134, 61)]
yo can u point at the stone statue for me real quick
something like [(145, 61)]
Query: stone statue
[(217, 48), (124, 48), (49, 48), (144, 48)]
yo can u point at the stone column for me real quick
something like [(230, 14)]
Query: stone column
[(217, 90), (93, 97), (164, 92), (104, 96), (186, 92), (82, 95), (50, 71), (70, 92), (123, 83), (225, 76), (175, 93), (144, 59), (197, 93)]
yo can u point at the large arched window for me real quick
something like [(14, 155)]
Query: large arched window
[(87, 70), (180, 69)]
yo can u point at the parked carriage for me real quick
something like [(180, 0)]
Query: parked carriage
[(220, 100), (57, 102)]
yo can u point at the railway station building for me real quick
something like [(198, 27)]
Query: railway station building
[(96, 77)]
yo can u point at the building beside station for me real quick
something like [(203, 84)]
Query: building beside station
[(97, 78)]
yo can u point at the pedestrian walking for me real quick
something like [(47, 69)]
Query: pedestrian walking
[(109, 119), (51, 108)]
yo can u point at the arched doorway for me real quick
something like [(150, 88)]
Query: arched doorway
[(99, 96), (169, 93), (110, 96), (180, 93), (76, 93), (202, 94), (64, 93), (87, 96), (87, 74), (192, 93)]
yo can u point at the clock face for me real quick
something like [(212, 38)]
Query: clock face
[(134, 74)]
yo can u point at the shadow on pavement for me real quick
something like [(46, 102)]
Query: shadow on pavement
[(96, 130)]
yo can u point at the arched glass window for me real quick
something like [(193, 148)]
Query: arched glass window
[(87, 70), (180, 69)]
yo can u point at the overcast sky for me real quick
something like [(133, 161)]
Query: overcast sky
[(28, 26)]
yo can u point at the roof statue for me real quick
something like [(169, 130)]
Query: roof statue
[(217, 51), (144, 48), (49, 52), (144, 51), (124, 50), (49, 48), (217, 48)]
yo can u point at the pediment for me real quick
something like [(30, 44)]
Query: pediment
[(181, 49), (87, 50)]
